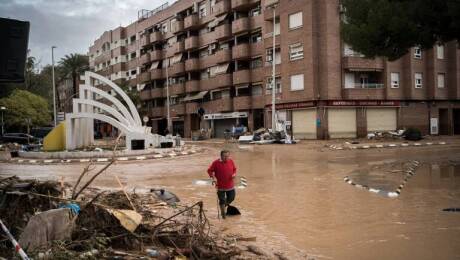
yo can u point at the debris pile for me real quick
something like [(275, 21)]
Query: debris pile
[(109, 225)]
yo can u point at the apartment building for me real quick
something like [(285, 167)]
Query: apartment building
[(214, 60)]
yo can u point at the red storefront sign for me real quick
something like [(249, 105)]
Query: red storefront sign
[(364, 103), (294, 105)]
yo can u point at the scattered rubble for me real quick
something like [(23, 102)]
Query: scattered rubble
[(107, 226)]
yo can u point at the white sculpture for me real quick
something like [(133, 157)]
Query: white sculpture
[(80, 123)]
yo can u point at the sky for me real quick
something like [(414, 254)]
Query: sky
[(71, 25)]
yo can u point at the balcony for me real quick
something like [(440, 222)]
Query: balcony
[(242, 103), (144, 77), (192, 64), (191, 43), (270, 2), (121, 66), (360, 63), (191, 21), (221, 7), (257, 49), (243, 4), (241, 25), (178, 109), (223, 31), (191, 108), (145, 95), (257, 102), (145, 40), (220, 56), (268, 14), (177, 26), (156, 93), (256, 22), (369, 91), (177, 89), (156, 55), (145, 58), (192, 86), (175, 48), (241, 51), (241, 76), (132, 64), (219, 105), (257, 74), (156, 37), (177, 69), (119, 51), (156, 74), (157, 112), (222, 80)]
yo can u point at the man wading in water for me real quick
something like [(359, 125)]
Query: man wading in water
[(223, 171)]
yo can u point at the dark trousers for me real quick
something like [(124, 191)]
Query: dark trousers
[(226, 197)]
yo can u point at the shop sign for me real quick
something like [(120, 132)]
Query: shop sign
[(295, 105), (362, 103), (225, 115)]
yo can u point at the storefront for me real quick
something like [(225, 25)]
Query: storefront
[(222, 122)]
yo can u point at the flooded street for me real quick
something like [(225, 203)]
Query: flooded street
[(297, 200)]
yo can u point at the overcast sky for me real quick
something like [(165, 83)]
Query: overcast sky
[(71, 25)]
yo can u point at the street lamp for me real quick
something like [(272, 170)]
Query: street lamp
[(273, 72), (2, 108), (54, 85), (168, 113)]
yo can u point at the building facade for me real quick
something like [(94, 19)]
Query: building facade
[(216, 58)]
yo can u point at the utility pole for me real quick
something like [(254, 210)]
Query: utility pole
[(3, 124), (54, 85), (273, 73), (168, 115)]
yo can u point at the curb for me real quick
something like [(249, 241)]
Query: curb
[(97, 160), (409, 172), (337, 147)]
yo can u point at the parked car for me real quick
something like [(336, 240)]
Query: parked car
[(40, 132), (19, 138)]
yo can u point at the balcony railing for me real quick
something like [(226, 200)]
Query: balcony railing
[(177, 68), (191, 43), (155, 37), (192, 86), (177, 26), (221, 7), (145, 58), (156, 55), (191, 21), (241, 51), (157, 112), (145, 94), (365, 86), (223, 31), (177, 89), (218, 81), (192, 64), (240, 25), (144, 77)]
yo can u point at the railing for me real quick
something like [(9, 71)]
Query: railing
[(365, 86)]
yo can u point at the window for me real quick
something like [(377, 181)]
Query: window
[(173, 100), (277, 27), (417, 52), (418, 80), (440, 51), (297, 82), (349, 80), (269, 85), (164, 28), (269, 56), (295, 21), (394, 80), (257, 37), (255, 11), (256, 63), (202, 10), (256, 90), (296, 51), (242, 91), (441, 80)]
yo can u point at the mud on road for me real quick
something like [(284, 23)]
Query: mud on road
[(297, 201)]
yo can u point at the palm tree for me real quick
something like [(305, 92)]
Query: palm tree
[(73, 65)]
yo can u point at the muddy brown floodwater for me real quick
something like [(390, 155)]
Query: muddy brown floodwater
[(297, 201)]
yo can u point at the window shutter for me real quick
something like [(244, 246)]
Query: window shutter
[(297, 82), (295, 20)]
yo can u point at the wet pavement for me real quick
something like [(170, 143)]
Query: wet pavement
[(297, 201)]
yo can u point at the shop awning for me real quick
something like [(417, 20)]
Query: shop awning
[(222, 68), (176, 58), (154, 65), (220, 18), (196, 96)]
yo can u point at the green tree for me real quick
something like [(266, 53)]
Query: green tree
[(389, 28), (72, 66), (25, 109)]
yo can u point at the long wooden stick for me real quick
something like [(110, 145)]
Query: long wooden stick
[(124, 191)]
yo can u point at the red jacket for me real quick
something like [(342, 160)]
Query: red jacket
[(224, 173)]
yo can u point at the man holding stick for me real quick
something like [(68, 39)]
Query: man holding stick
[(223, 172)]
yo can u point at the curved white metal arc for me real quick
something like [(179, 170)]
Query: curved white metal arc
[(125, 97), (112, 99), (103, 118), (110, 110)]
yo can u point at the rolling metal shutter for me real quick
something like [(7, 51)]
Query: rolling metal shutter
[(342, 122), (381, 119), (304, 124)]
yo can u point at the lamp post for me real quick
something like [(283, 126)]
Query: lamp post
[(168, 113), (3, 128), (273, 73), (54, 85)]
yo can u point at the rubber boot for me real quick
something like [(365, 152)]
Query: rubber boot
[(222, 211)]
